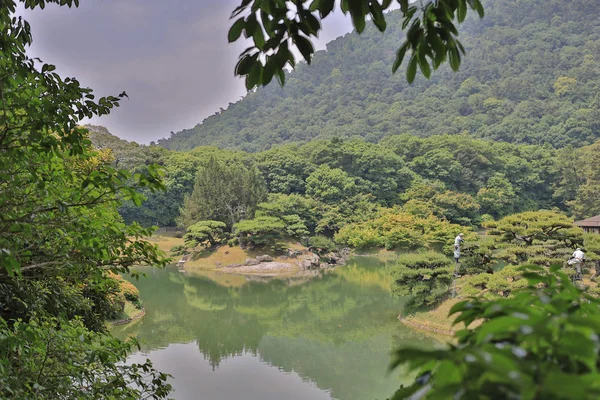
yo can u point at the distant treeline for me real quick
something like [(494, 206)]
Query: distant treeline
[(455, 177)]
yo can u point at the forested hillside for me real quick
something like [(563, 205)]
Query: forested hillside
[(531, 75)]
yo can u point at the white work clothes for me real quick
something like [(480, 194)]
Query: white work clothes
[(457, 242), (578, 255)]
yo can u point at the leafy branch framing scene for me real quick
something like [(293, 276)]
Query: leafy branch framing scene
[(347, 213)]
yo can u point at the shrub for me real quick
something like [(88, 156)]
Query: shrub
[(130, 292), (179, 250), (322, 244), (475, 284), (540, 343), (426, 277), (260, 231)]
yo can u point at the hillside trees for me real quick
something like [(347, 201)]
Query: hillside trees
[(60, 233), (580, 180), (504, 90)]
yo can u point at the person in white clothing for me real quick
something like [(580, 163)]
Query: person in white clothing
[(576, 260), (457, 242)]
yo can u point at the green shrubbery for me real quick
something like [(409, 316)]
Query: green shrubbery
[(426, 277), (539, 343)]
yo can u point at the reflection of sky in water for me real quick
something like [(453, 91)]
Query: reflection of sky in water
[(243, 377), (225, 337)]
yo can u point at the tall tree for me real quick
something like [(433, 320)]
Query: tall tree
[(223, 192)]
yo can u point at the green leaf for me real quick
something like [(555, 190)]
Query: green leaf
[(400, 56), (259, 38), (378, 17), (280, 74), (454, 57), (304, 46), (424, 65), (236, 30), (411, 70)]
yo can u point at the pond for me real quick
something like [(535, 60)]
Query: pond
[(327, 336)]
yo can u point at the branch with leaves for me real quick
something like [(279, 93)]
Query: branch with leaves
[(277, 26)]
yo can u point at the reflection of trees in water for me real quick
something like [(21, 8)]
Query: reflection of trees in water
[(354, 370), (224, 321)]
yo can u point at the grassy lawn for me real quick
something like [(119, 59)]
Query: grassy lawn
[(166, 241), (435, 320)]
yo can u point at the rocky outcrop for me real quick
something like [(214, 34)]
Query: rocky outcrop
[(294, 259), (251, 261), (263, 267)]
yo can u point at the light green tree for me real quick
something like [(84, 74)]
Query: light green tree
[(260, 231), (201, 232)]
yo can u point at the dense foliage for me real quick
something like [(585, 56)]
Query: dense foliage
[(60, 233), (393, 229), (540, 343), (529, 332), (531, 75), (329, 183)]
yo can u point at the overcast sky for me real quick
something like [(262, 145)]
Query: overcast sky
[(171, 57)]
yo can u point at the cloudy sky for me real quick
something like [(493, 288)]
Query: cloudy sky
[(171, 57)]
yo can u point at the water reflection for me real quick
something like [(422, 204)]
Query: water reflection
[(334, 330)]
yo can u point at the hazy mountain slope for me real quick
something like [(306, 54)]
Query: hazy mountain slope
[(531, 75)]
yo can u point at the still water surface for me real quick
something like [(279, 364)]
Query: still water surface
[(229, 337)]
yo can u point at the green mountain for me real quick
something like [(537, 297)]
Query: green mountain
[(531, 75)]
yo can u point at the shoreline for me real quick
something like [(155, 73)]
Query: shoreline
[(426, 328), (128, 320)]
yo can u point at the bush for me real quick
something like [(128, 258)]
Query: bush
[(541, 343), (475, 284), (179, 250), (260, 231), (130, 292), (322, 244), (426, 277)]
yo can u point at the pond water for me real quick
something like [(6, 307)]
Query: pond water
[(221, 336)]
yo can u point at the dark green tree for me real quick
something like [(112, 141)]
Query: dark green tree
[(425, 277), (223, 192)]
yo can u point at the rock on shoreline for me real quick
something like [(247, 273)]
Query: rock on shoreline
[(298, 260)]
